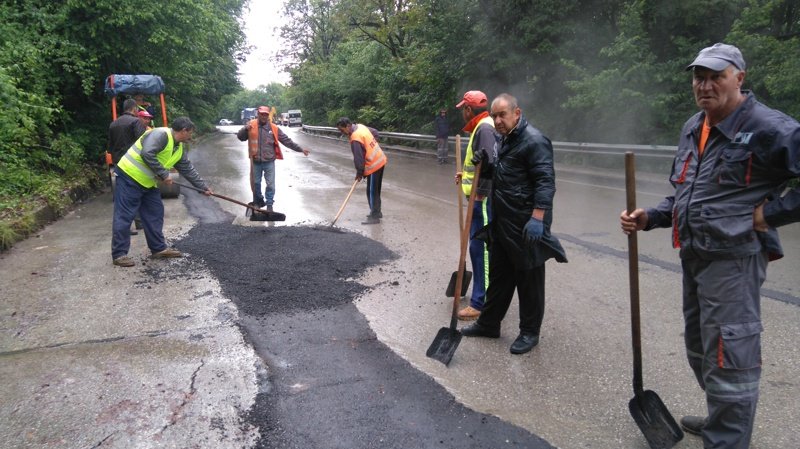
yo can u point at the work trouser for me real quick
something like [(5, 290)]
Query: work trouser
[(267, 171), (504, 278), (441, 148), (374, 182), (479, 253), (131, 198), (722, 313)]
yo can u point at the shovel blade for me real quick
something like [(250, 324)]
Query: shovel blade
[(451, 287), (267, 216), (654, 420), (444, 345)]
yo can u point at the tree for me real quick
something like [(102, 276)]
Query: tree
[(768, 33)]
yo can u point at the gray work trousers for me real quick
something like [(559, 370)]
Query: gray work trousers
[(722, 313), (441, 148)]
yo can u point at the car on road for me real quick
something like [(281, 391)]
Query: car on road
[(226, 122)]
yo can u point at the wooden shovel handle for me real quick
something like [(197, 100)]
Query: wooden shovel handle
[(458, 185), (344, 203), (633, 274), (249, 206)]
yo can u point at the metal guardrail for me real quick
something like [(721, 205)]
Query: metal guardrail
[(655, 158)]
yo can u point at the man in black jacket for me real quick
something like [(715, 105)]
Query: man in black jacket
[(124, 131), (523, 186)]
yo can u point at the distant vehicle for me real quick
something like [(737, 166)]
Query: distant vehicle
[(226, 122), (248, 114), (284, 119), (295, 117)]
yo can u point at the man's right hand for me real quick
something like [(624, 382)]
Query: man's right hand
[(636, 221), (478, 156)]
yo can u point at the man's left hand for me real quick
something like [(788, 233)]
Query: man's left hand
[(533, 231), (306, 151)]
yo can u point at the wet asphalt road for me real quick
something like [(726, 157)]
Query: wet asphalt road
[(329, 382), (295, 335), (573, 389)]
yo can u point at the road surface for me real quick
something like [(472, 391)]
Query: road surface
[(179, 355)]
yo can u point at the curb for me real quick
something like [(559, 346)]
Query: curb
[(31, 222)]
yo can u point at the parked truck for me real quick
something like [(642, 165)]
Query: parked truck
[(295, 117), (248, 114), (284, 119)]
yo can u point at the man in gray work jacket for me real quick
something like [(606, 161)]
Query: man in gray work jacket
[(734, 160)]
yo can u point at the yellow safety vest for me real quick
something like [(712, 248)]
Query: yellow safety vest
[(469, 170), (375, 157), (134, 166)]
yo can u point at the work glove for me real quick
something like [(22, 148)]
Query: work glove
[(478, 156), (533, 231)]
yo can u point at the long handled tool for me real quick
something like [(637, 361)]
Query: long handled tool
[(447, 339), (467, 275), (647, 409), (344, 203), (258, 215)]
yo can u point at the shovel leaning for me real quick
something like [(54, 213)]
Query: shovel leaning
[(450, 291), (447, 339), (651, 415)]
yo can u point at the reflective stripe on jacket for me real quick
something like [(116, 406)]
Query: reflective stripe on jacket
[(134, 166), (374, 158), (252, 138), (469, 169)]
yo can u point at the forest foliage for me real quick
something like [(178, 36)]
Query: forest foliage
[(584, 70), (55, 56)]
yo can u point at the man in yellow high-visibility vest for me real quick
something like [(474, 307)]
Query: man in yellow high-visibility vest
[(146, 162), (475, 111)]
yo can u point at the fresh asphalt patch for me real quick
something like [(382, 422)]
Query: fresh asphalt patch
[(329, 382)]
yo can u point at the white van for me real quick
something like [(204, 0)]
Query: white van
[(295, 117)]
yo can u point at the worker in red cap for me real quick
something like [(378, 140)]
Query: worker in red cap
[(146, 118), (475, 111), (263, 138)]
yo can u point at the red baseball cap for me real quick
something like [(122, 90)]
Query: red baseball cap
[(144, 114), (263, 109), (474, 99)]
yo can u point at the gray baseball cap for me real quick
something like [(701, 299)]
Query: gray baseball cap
[(717, 57)]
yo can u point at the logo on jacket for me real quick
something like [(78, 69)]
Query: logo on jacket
[(742, 138)]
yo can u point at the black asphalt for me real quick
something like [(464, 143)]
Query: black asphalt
[(329, 383)]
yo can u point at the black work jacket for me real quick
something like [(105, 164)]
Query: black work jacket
[(524, 180)]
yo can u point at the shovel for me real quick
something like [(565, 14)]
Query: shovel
[(651, 415), (344, 203), (450, 291), (447, 339), (258, 214)]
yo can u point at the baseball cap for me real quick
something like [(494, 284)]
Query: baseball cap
[(263, 109), (717, 57), (474, 99), (144, 114)]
